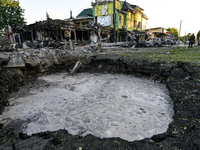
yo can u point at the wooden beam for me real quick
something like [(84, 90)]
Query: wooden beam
[(75, 35)]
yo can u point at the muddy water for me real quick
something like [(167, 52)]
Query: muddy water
[(104, 105)]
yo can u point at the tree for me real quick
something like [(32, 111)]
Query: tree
[(182, 38), (48, 18), (174, 31), (10, 14), (189, 34)]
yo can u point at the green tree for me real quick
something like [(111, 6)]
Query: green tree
[(189, 34), (174, 31), (48, 18), (182, 38), (10, 13)]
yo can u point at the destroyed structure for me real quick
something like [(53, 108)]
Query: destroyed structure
[(118, 19), (128, 18)]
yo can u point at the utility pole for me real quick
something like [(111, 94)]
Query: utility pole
[(114, 20), (184, 38), (179, 33), (70, 14)]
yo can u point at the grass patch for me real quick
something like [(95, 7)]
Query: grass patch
[(186, 55), (169, 55)]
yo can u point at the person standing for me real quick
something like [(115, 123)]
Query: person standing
[(192, 40), (128, 38), (99, 39), (146, 35), (17, 39), (137, 39), (68, 38)]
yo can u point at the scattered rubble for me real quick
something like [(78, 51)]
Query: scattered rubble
[(50, 34)]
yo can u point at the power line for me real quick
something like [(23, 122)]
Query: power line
[(75, 11)]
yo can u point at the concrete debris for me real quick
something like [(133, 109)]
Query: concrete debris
[(187, 78), (4, 59), (133, 47), (75, 68), (16, 61), (25, 46), (13, 46)]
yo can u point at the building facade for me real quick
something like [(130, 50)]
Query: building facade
[(159, 32), (130, 17)]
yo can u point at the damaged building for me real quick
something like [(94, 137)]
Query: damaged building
[(43, 30), (159, 32), (118, 18), (51, 31), (121, 16)]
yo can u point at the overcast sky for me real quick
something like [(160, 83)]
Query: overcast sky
[(168, 13)]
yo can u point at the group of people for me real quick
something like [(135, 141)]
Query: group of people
[(135, 38), (69, 42), (129, 38)]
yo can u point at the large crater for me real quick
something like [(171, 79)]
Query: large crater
[(104, 105), (181, 78)]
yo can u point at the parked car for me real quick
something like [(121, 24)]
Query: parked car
[(187, 42), (169, 42), (180, 42), (157, 42), (173, 42), (148, 43)]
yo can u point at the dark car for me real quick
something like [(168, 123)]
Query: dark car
[(173, 42), (170, 42)]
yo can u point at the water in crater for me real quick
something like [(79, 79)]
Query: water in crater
[(103, 105)]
